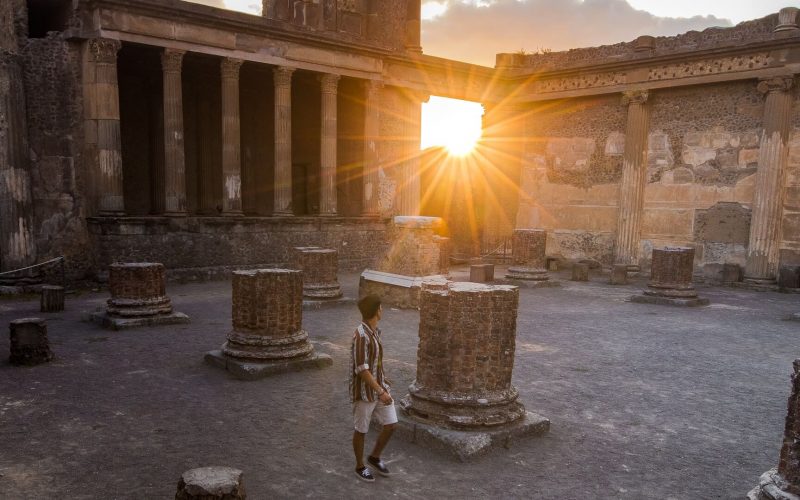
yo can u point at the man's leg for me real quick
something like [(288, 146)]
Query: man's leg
[(358, 448), (380, 444)]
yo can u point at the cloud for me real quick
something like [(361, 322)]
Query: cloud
[(473, 33)]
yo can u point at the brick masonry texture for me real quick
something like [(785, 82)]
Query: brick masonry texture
[(320, 268), (29, 342), (413, 251), (671, 273), (138, 289), (465, 357)]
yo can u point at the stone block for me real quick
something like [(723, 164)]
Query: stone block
[(244, 369), (529, 261), (580, 272), (789, 277), (111, 322), (552, 264), (29, 344), (619, 274), (211, 483), (731, 273), (481, 273), (671, 279), (320, 268), (395, 290), (51, 298)]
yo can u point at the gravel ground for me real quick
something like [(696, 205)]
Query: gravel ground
[(645, 401)]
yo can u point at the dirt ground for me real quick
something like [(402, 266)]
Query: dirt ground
[(645, 401)]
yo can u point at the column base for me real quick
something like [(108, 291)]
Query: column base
[(255, 370), (527, 273), (103, 319), (760, 281), (324, 291), (668, 301), (771, 486)]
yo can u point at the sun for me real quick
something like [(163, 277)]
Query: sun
[(451, 123)]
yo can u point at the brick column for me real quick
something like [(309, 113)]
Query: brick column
[(634, 169), (231, 138), (174, 155), (283, 140), (328, 86), (671, 279), (528, 253), (372, 90), (765, 225), (101, 109)]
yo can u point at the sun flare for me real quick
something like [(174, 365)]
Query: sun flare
[(451, 123)]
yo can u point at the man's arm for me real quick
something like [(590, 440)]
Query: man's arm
[(382, 393)]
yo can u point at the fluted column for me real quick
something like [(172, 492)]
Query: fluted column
[(372, 90), (101, 101), (174, 156), (282, 77), (409, 196), (328, 86), (634, 169), (231, 138), (765, 225)]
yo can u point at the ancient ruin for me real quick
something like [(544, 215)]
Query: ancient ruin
[(211, 483), (267, 335), (528, 256), (29, 342), (138, 297), (465, 359), (671, 279), (580, 272), (320, 268), (51, 298)]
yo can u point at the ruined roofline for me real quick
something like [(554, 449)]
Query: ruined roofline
[(747, 34)]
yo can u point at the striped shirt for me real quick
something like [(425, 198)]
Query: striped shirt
[(366, 353)]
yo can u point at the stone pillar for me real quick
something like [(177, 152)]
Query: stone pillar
[(101, 109), (788, 20), (444, 245), (17, 246), (580, 272), (528, 255), (783, 482), (372, 90), (174, 155), (634, 170), (465, 357), (211, 483), (138, 297), (320, 268), (51, 298), (267, 335), (283, 140), (328, 87), (231, 138), (413, 26), (765, 225), (29, 343), (671, 279), (409, 195)]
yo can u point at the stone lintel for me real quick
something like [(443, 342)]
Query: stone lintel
[(468, 445), (255, 370), (667, 301), (117, 323)]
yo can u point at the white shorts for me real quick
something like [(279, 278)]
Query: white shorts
[(364, 410)]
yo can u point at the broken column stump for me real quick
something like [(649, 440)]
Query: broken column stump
[(783, 482), (267, 336), (51, 299), (211, 483), (619, 274), (138, 297), (29, 343), (731, 273), (481, 273), (462, 400), (320, 268), (529, 262), (580, 272), (444, 254), (671, 279)]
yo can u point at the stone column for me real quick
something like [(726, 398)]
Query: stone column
[(765, 225), (634, 170), (671, 279), (409, 196), (372, 90), (282, 77), (28, 342), (101, 104), (528, 255), (413, 26), (320, 268), (328, 87), (231, 138), (17, 246), (174, 155)]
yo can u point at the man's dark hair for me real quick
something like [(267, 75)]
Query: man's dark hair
[(369, 306)]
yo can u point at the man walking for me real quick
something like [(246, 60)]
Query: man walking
[(369, 389)]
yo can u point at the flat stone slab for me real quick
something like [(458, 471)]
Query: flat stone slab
[(771, 486), (666, 301), (117, 323), (467, 445), (549, 283), (312, 304), (255, 370), (395, 290)]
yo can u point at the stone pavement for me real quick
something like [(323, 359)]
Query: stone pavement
[(645, 401)]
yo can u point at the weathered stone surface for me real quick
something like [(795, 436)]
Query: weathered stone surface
[(671, 279), (731, 273), (51, 299), (619, 274), (528, 255), (481, 273), (789, 277), (580, 272), (320, 268), (29, 343), (211, 483), (396, 290)]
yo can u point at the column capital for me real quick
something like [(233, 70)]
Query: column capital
[(328, 83), (282, 76), (104, 50), (372, 86), (417, 96), (639, 96), (229, 67), (776, 84), (172, 60)]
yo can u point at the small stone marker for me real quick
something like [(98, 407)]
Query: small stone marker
[(529, 261), (788, 277), (731, 273), (52, 299), (671, 279), (619, 274), (267, 335), (552, 264), (580, 272), (320, 268), (783, 482), (444, 254), (211, 483), (29, 343), (462, 399), (481, 273)]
